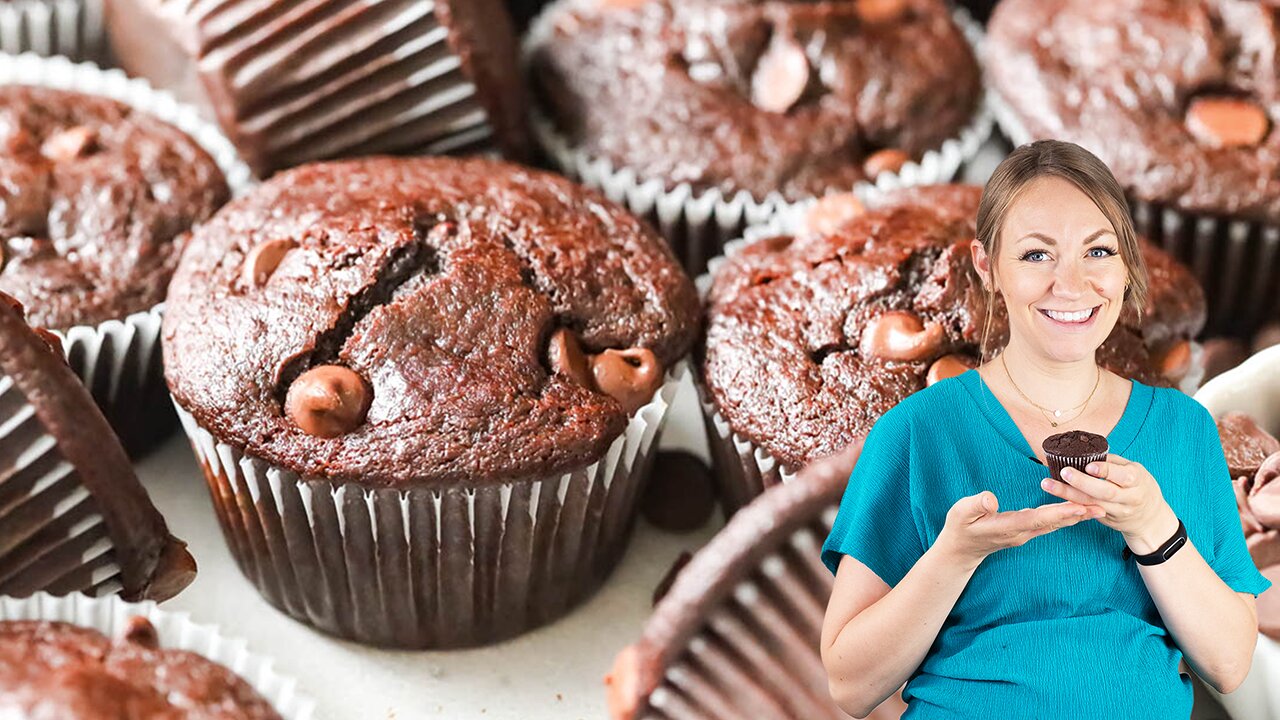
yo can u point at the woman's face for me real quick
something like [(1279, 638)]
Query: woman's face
[(1057, 253)]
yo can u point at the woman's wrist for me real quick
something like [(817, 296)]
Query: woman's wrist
[(1149, 539)]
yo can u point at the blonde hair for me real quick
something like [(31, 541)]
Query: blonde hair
[(1055, 158)]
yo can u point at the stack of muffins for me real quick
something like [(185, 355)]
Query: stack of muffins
[(426, 394)]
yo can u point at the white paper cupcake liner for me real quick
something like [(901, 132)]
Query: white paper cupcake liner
[(744, 470), (72, 28), (52, 533), (119, 360), (176, 631), (1252, 387), (1237, 262), (431, 567), (697, 223)]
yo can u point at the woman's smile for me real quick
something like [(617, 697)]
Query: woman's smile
[(1073, 321)]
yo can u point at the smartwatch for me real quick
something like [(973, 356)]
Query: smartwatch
[(1165, 551)]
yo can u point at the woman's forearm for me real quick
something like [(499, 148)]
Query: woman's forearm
[(1207, 619), (875, 652)]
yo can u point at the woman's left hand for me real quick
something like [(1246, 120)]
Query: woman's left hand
[(1125, 491)]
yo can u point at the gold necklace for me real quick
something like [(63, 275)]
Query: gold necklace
[(1045, 411)]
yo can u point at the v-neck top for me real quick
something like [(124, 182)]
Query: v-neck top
[(1064, 621)]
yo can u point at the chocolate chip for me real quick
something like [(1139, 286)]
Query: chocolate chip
[(1219, 355), (69, 144), (881, 11), (328, 401), (565, 357), (882, 161), (833, 212), (1226, 121), (680, 496), (781, 75), (139, 631), (629, 376), (664, 585), (900, 335), (263, 260), (1175, 360), (947, 366)]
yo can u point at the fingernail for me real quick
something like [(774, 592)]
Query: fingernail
[(1046, 483), (1091, 468)]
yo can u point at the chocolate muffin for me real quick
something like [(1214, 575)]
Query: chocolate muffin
[(801, 353), (76, 518), (1074, 449), (55, 669), (1244, 443), (473, 348), (737, 633), (732, 104), (96, 199), (1180, 110), (292, 83)]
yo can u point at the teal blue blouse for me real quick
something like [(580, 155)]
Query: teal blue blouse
[(1062, 626)]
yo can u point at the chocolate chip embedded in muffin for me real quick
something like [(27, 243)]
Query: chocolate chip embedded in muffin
[(680, 496), (54, 669)]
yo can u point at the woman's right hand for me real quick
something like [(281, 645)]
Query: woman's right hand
[(975, 528)]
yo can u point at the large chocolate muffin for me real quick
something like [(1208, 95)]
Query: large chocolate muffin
[(95, 199), (58, 670), (293, 82), (787, 97), (476, 349), (74, 516), (1074, 449), (811, 338)]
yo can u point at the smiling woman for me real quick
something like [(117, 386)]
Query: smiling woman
[(937, 587)]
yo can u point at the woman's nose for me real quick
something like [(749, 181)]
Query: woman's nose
[(1069, 280)]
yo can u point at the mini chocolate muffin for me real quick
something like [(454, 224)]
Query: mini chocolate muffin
[(812, 336), (75, 519), (96, 199), (466, 345), (1244, 443), (1181, 111), (1074, 449), (55, 669), (752, 101), (292, 83)]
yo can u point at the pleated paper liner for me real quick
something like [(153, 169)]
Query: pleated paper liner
[(1236, 261), (431, 567), (110, 616), (72, 28), (1252, 387), (743, 469), (737, 635), (119, 360), (697, 223)]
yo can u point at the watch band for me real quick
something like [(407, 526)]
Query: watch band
[(1165, 551)]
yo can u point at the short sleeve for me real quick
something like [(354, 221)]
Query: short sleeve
[(1231, 559), (875, 523)]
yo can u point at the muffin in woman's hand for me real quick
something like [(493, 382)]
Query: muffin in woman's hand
[(707, 115), (60, 670), (96, 198), (817, 325), (1075, 449), (74, 517), (426, 392)]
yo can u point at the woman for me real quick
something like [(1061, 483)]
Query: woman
[(1041, 610)]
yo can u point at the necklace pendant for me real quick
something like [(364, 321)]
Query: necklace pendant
[(1057, 413)]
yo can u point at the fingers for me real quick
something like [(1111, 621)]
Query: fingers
[(1018, 526), (1091, 485), (978, 506), (1072, 494)]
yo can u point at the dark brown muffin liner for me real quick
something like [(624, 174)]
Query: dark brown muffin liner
[(431, 567), (1236, 261), (119, 360), (72, 28), (176, 630), (698, 223), (1057, 462), (1252, 387), (738, 633)]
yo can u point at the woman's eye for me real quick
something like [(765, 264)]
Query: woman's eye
[(1028, 255), (1108, 252)]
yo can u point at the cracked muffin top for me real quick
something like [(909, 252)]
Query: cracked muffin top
[(95, 201), (811, 338), (1177, 98), (423, 321), (54, 669), (763, 96)]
